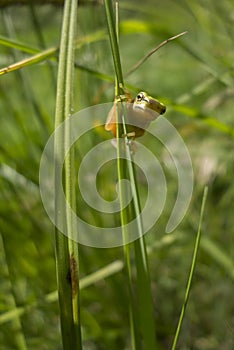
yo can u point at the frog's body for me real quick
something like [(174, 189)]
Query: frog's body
[(141, 111)]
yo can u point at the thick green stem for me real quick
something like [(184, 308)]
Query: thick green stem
[(145, 299), (67, 250)]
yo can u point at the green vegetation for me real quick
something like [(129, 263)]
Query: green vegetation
[(193, 76)]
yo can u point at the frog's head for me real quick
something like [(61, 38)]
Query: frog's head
[(143, 102)]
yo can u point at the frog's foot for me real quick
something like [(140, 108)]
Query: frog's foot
[(130, 135), (126, 97), (129, 139), (121, 98), (130, 143)]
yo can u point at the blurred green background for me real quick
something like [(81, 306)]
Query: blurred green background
[(194, 77)]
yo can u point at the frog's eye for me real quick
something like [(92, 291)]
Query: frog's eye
[(140, 96)]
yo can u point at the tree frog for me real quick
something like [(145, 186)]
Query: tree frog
[(141, 111)]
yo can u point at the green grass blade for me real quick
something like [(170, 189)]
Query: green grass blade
[(15, 44), (30, 60), (67, 251), (145, 299), (114, 44), (194, 260), (121, 166)]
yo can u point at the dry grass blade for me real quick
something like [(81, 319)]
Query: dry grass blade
[(139, 63)]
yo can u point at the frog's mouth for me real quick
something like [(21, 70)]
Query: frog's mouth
[(155, 105)]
